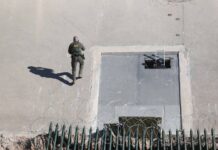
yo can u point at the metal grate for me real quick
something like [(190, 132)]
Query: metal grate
[(156, 62)]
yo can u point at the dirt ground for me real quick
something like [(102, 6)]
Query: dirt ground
[(22, 143)]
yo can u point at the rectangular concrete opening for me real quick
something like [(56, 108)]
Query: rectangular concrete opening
[(127, 89)]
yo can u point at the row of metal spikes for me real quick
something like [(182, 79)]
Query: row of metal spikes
[(107, 140)]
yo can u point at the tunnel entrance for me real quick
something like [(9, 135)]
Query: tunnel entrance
[(156, 62), (130, 89)]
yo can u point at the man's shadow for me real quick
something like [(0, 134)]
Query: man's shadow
[(49, 73)]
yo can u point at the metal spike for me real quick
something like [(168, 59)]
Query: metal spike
[(144, 139), (76, 138), (83, 139), (177, 139), (199, 140), (158, 139), (69, 140), (129, 139), (96, 139), (151, 138), (90, 139), (62, 137), (213, 139), (136, 138), (103, 139), (124, 139), (170, 140), (117, 139), (192, 140), (49, 136), (56, 136), (184, 140), (205, 139), (163, 140), (111, 140)]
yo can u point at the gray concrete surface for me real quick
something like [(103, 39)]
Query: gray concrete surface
[(128, 89), (37, 33), (201, 40)]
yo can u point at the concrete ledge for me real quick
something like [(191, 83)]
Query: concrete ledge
[(185, 86)]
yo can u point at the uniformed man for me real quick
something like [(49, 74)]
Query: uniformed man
[(76, 50)]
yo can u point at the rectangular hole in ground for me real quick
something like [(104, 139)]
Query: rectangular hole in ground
[(128, 89)]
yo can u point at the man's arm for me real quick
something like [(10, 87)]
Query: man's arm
[(69, 50), (82, 47)]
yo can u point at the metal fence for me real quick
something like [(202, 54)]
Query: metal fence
[(146, 138)]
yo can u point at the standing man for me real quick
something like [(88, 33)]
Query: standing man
[(76, 49)]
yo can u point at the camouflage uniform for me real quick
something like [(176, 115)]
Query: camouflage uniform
[(75, 49)]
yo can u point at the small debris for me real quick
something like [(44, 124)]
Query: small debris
[(177, 34), (177, 19)]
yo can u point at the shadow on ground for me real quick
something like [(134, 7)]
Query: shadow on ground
[(49, 73)]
